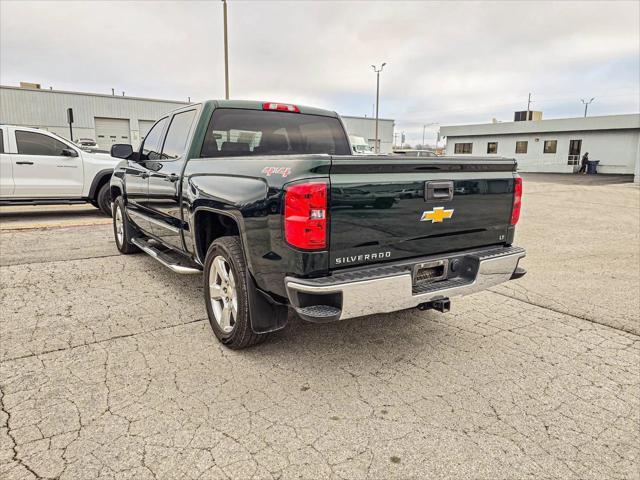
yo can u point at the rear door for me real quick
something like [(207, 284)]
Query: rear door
[(40, 170), (385, 208), (6, 166), (137, 176), (164, 180)]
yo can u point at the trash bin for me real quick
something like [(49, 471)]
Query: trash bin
[(592, 167)]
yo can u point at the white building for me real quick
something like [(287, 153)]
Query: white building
[(107, 119), (110, 119), (365, 127), (554, 145)]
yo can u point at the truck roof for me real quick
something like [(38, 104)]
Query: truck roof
[(257, 105)]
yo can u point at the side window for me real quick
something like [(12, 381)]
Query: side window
[(521, 146), (1, 142), (153, 141), (550, 146), (463, 148), (32, 143), (177, 135)]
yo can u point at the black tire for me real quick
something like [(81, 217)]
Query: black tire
[(103, 199), (240, 334), (124, 244)]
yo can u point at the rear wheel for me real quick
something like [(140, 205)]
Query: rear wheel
[(122, 228), (225, 293), (103, 199)]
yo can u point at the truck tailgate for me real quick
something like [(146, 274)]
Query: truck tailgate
[(389, 208)]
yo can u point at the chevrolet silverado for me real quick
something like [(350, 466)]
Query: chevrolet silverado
[(268, 201)]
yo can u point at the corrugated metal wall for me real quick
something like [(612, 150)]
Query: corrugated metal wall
[(48, 109), (365, 127)]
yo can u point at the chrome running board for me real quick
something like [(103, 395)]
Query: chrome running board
[(167, 257)]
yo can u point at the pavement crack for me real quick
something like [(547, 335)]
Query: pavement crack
[(98, 342), (579, 317)]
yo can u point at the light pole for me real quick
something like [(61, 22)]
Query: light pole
[(226, 51), (586, 105), (377, 70)]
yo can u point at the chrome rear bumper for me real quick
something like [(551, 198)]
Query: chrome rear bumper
[(388, 288)]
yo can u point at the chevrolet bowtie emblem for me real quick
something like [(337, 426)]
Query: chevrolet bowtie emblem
[(438, 214)]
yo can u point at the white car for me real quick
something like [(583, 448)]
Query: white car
[(38, 167)]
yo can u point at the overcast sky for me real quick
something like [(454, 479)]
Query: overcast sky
[(447, 62)]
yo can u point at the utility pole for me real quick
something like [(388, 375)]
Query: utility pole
[(377, 70), (528, 108), (586, 105), (226, 51), (424, 127)]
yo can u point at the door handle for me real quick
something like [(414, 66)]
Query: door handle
[(24, 163), (438, 191), (172, 178), (144, 175)]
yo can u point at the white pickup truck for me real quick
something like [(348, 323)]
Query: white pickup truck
[(38, 168)]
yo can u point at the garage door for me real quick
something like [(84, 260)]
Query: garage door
[(112, 130), (145, 126)]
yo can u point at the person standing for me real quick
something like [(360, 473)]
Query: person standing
[(583, 165)]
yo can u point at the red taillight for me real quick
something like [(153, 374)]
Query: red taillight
[(305, 215), (280, 107), (517, 200)]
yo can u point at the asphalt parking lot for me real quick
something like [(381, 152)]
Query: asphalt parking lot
[(109, 368)]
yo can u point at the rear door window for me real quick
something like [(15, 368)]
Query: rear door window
[(177, 135), (152, 145), (236, 132), (32, 143)]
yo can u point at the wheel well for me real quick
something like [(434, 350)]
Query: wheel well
[(115, 193), (103, 179), (209, 226)]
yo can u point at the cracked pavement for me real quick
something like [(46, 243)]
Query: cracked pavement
[(535, 379)]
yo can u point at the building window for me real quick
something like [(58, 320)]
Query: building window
[(463, 148), (521, 147), (492, 147), (550, 146)]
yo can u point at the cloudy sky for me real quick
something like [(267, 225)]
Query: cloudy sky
[(447, 62)]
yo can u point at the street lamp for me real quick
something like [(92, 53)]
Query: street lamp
[(377, 70), (226, 51), (586, 105)]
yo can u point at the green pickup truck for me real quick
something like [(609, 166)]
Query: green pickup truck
[(268, 201)]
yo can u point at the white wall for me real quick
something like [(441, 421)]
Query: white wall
[(366, 128), (617, 150)]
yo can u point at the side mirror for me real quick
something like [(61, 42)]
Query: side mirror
[(121, 150), (69, 152)]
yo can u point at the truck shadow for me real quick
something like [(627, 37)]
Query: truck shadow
[(387, 336)]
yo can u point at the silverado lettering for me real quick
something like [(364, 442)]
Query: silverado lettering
[(317, 232), (363, 257)]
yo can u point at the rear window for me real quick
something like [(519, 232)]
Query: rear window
[(235, 132)]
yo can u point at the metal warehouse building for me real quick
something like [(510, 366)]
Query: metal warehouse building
[(107, 119), (365, 127), (110, 119), (555, 145)]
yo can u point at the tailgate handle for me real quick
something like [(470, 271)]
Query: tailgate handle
[(440, 191)]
